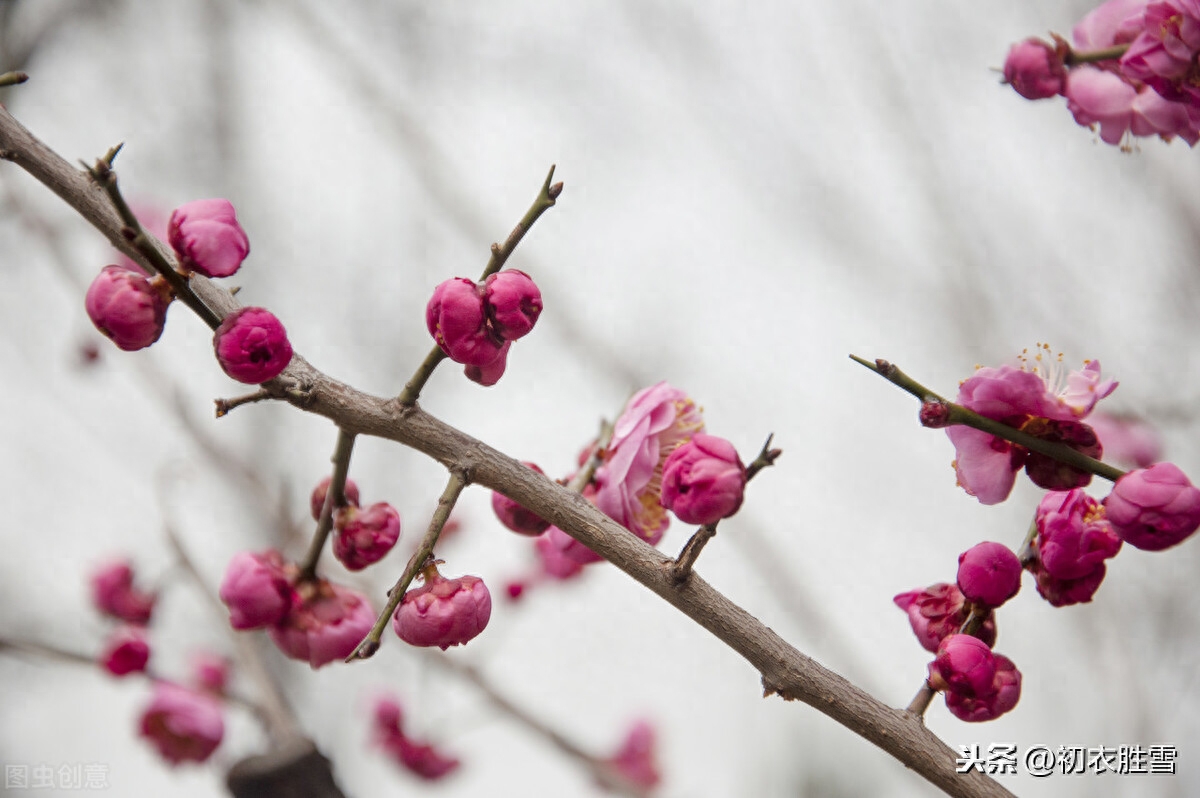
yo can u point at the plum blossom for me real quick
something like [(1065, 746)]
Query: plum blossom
[(317, 501), (128, 307), (114, 595), (1164, 54), (207, 238), (421, 759), (635, 761), (365, 536), (257, 588), (1006, 691), (1035, 396), (703, 480), (183, 725), (1035, 70), (1154, 508), (514, 516), (252, 346), (1127, 440), (1074, 538), (939, 611), (443, 612), (126, 651), (325, 623)]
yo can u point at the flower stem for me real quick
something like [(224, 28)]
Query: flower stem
[(545, 200), (961, 415), (13, 78), (225, 405), (416, 563), (335, 497), (921, 700), (1094, 56)]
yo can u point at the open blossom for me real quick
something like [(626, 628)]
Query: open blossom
[(1035, 70), (126, 651), (252, 346), (939, 611), (421, 759), (113, 594), (703, 480), (207, 238), (635, 761), (317, 500), (365, 536), (654, 423), (1154, 508), (1074, 535), (1037, 398), (183, 725), (1164, 54), (1005, 693), (127, 307), (257, 588), (326, 623), (989, 574), (443, 612)]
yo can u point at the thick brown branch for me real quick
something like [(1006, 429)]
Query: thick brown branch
[(784, 670)]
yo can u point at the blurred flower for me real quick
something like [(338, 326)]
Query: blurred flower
[(326, 623), (635, 760), (183, 725), (516, 517), (317, 501), (257, 588), (210, 672), (421, 759), (362, 537), (126, 651), (114, 595), (1127, 440), (1035, 70)]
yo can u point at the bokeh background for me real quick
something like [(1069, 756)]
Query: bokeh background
[(753, 191)]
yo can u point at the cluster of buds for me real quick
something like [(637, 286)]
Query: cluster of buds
[(361, 537), (131, 308), (421, 759), (126, 650), (474, 324), (1132, 70)]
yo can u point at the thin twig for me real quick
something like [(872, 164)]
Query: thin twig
[(335, 497), (225, 405)]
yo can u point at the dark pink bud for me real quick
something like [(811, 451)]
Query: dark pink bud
[(1048, 473), (989, 574), (516, 517), (387, 715), (939, 611), (257, 589), (443, 612), (569, 548), (1154, 508), (210, 673), (456, 319), (252, 346), (556, 563), (325, 624), (1006, 686), (113, 594), (934, 414), (515, 589), (363, 537), (489, 375), (126, 651), (1064, 592), (964, 664), (635, 760), (318, 496), (703, 480), (513, 303), (1035, 69), (206, 236), (1074, 535), (127, 307), (182, 724)]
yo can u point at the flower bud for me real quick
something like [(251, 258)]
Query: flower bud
[(1154, 508), (703, 480), (126, 651), (1051, 474), (635, 761), (1035, 70), (964, 664), (456, 319), (206, 236), (363, 537), (127, 307), (513, 303), (182, 724), (210, 673), (1073, 541), (1006, 691), (989, 574), (326, 623), (490, 374), (939, 611), (257, 590), (114, 595), (252, 346), (569, 548), (318, 496), (516, 517), (443, 612), (1065, 592)]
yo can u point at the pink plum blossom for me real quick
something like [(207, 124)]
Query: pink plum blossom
[(989, 574), (553, 562), (326, 623), (1154, 508), (252, 346), (1035, 70), (513, 303), (127, 307), (964, 664), (703, 480), (514, 516), (569, 548), (635, 762), (1164, 54), (126, 651), (257, 588), (1038, 395), (1065, 592), (443, 612), (1006, 692), (317, 501), (654, 423), (114, 595), (1074, 535), (365, 536), (457, 320), (939, 611), (1110, 23), (207, 238), (421, 759), (183, 725), (1127, 440)]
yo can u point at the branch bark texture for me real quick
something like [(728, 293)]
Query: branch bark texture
[(784, 670)]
